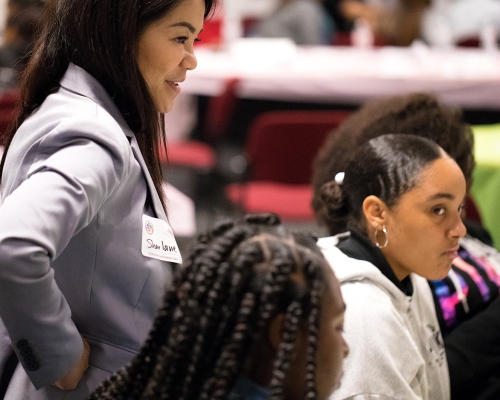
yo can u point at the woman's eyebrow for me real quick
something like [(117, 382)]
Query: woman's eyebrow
[(438, 196), (184, 24)]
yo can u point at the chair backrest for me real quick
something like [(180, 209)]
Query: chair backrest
[(220, 111), (281, 145), (9, 109)]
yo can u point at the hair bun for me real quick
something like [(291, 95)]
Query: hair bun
[(334, 200)]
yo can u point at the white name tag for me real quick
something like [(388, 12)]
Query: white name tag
[(158, 240)]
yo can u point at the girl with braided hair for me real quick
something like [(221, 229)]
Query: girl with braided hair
[(402, 197), (255, 313)]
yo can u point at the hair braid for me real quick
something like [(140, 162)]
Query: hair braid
[(285, 350), (238, 277), (243, 328), (313, 277)]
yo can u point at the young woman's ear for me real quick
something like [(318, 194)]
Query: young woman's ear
[(375, 212), (275, 330)]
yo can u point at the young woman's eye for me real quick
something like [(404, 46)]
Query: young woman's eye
[(461, 208), (197, 39), (438, 210)]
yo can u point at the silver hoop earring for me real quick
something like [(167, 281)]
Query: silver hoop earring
[(381, 246)]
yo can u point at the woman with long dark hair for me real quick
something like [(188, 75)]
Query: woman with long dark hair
[(254, 314), (85, 245)]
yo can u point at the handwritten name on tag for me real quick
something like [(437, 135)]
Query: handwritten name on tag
[(158, 240)]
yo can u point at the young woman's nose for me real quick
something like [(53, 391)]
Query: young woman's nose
[(458, 230)]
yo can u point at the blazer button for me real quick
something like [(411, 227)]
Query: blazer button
[(32, 366), (23, 344), (26, 352)]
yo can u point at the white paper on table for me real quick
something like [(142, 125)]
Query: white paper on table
[(181, 211)]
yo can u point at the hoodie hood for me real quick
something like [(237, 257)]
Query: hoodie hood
[(349, 270)]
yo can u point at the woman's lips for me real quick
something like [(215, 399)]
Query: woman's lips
[(452, 253), (175, 86)]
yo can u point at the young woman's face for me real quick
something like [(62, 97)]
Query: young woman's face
[(424, 227), (331, 347), (165, 51)]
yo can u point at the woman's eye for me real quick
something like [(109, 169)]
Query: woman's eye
[(461, 208), (181, 39), (438, 210), (197, 40)]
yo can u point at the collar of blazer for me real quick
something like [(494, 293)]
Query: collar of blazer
[(79, 81)]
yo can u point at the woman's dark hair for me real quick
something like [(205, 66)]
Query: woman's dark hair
[(100, 37), (387, 167), (238, 277), (418, 114)]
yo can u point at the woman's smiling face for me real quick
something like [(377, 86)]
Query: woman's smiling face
[(425, 225), (165, 51)]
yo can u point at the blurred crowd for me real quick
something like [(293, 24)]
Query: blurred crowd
[(22, 19), (393, 22)]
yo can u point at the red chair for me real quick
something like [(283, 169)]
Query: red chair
[(220, 111), (212, 32), (10, 99), (9, 110), (280, 147), (470, 41), (189, 166), (192, 154)]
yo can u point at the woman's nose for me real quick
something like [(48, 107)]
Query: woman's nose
[(189, 61), (459, 230)]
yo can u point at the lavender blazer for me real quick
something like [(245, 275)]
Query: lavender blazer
[(74, 189)]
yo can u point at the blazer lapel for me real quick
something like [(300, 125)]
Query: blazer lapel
[(80, 81)]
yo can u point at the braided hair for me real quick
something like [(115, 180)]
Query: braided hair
[(238, 277)]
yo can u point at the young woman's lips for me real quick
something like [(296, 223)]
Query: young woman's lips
[(175, 86), (452, 253)]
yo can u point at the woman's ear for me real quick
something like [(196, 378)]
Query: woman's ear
[(375, 212), (275, 330)]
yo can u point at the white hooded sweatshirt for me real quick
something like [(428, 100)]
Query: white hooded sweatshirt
[(396, 347)]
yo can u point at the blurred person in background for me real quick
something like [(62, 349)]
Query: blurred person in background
[(306, 22), (394, 22), (23, 18), (448, 22)]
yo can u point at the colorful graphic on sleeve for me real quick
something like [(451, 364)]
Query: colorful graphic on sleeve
[(449, 299), (469, 288), (476, 277), (488, 268)]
